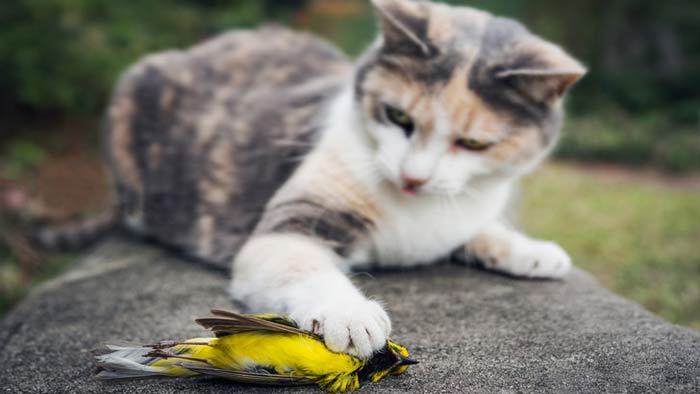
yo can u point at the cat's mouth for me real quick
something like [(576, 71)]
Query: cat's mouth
[(427, 190), (409, 190), (411, 185)]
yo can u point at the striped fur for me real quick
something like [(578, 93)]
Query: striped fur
[(266, 150)]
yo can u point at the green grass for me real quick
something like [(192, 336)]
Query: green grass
[(640, 240)]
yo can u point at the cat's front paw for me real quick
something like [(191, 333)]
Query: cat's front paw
[(540, 259), (534, 258), (359, 328)]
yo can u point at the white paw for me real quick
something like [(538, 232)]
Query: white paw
[(359, 328), (537, 259)]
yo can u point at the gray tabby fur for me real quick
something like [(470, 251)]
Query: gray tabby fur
[(197, 141)]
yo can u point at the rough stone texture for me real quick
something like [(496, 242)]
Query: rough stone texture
[(474, 332)]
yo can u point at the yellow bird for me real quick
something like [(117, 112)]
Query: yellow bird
[(257, 349)]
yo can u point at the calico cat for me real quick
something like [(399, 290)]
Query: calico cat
[(269, 150)]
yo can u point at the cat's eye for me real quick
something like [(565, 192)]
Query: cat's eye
[(399, 118), (472, 144)]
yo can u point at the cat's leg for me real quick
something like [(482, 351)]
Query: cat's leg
[(299, 276), (501, 248)]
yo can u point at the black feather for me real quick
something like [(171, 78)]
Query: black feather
[(229, 323)]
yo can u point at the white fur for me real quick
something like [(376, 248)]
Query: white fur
[(526, 257), (425, 229), (299, 276), (292, 274)]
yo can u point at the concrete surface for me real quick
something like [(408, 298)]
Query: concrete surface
[(474, 332)]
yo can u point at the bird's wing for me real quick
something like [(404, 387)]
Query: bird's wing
[(287, 321), (227, 323), (247, 377), (271, 317)]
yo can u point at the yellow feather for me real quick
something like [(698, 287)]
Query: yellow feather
[(288, 354), (266, 349)]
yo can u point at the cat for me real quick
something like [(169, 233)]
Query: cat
[(269, 150)]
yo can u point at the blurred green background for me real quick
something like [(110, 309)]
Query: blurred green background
[(628, 210)]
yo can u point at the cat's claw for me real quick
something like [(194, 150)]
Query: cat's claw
[(358, 328)]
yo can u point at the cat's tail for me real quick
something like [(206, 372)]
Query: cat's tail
[(76, 235)]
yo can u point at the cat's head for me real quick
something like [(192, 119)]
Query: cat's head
[(452, 96)]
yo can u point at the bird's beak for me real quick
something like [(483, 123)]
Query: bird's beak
[(406, 361)]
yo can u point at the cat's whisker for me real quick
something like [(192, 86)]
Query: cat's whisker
[(450, 202), (471, 193)]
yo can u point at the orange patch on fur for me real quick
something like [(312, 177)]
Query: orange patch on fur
[(336, 185), (520, 146), (469, 115), (120, 140), (489, 250)]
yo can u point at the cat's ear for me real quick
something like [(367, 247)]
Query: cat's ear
[(543, 71), (404, 27)]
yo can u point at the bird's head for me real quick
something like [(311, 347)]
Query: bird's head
[(391, 360)]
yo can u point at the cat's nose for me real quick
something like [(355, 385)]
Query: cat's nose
[(411, 185)]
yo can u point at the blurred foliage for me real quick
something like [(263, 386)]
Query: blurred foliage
[(638, 238), (61, 58), (648, 140), (66, 54), (643, 55), (19, 157)]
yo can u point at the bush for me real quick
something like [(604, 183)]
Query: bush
[(642, 141), (62, 57), (65, 55)]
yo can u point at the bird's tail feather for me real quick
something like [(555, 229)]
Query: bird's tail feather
[(162, 359)]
